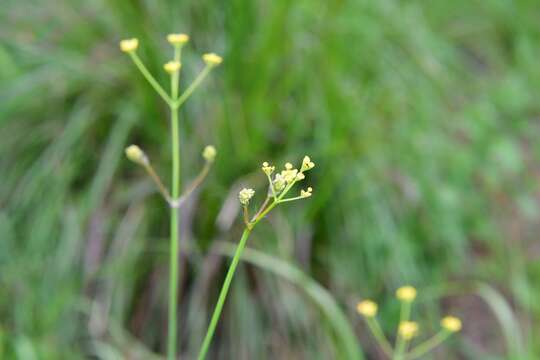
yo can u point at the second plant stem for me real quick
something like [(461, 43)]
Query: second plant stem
[(223, 295), (174, 253)]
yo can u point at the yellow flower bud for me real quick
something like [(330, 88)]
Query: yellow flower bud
[(306, 193), (408, 329), (129, 45), (135, 154), (267, 168), (451, 323), (209, 153), (307, 164), (245, 195), (177, 39), (212, 59), (367, 308), (172, 66), (406, 293)]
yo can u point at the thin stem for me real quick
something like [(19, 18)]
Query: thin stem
[(174, 253), (195, 183), (261, 208), (157, 180), (292, 199), (375, 328), (271, 186), (245, 211), (192, 87), (150, 78), (175, 78), (401, 343), (223, 295), (428, 345)]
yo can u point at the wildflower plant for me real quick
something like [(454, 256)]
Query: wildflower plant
[(174, 199), (407, 329), (279, 187)]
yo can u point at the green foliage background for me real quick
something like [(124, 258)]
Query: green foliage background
[(422, 118)]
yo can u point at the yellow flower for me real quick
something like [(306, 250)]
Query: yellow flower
[(209, 153), (267, 169), (289, 174), (408, 329), (129, 45), (245, 195), (451, 323), (300, 176), (212, 59), (279, 183), (367, 308), (406, 293), (135, 154), (177, 39), (172, 66), (307, 164), (306, 193)]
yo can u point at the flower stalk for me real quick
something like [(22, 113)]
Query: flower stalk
[(173, 198), (277, 190)]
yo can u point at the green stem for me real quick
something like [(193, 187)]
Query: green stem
[(223, 295), (150, 78), (174, 253), (175, 78), (375, 328), (193, 86), (401, 343), (428, 345)]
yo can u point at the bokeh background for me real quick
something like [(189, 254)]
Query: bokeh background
[(422, 117)]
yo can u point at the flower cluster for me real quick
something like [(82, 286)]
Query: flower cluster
[(407, 329), (279, 185)]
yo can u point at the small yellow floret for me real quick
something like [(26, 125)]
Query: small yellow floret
[(408, 329), (245, 195), (129, 45), (209, 153), (267, 168), (135, 154), (172, 66), (177, 39), (212, 59), (367, 308), (306, 193), (406, 293), (451, 323), (307, 164)]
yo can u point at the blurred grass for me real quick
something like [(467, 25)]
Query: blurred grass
[(422, 118)]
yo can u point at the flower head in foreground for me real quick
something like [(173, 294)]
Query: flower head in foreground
[(209, 153), (406, 293), (267, 168), (212, 59), (245, 195), (307, 192), (129, 45), (172, 66), (408, 329), (451, 323), (307, 164), (135, 154), (177, 39), (367, 308)]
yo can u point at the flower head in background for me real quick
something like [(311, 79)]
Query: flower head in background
[(408, 329), (177, 39), (451, 323), (212, 59), (209, 153), (367, 308), (129, 45), (406, 293)]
